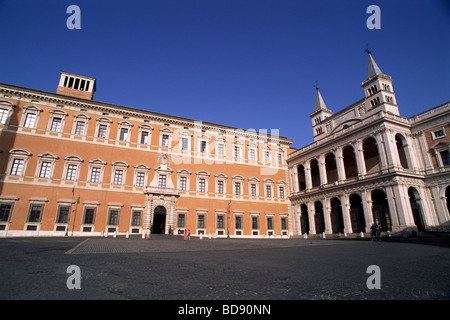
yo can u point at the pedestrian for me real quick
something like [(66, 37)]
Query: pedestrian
[(189, 234), (378, 231), (185, 234), (373, 231)]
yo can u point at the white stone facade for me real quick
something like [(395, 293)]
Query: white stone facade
[(369, 164)]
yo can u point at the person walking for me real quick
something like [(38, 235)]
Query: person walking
[(185, 234), (189, 234), (373, 231), (378, 232)]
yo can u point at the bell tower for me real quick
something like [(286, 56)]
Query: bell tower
[(321, 112), (378, 89)]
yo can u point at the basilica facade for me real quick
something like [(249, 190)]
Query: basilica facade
[(368, 164)]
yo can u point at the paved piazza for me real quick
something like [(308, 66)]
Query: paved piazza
[(167, 267)]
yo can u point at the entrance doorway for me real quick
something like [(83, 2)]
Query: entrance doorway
[(159, 220), (414, 200)]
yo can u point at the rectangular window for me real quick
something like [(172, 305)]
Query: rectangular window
[(140, 179), (252, 154), (44, 172), (237, 188), (283, 223), (56, 124), (270, 223), (102, 128), (203, 146), (184, 144), (95, 174), (30, 120), (253, 190), (165, 141), (63, 214), (123, 135), (220, 222), (279, 159), (17, 167), (89, 216), (162, 181), (136, 218), (35, 213), (113, 217), (3, 116), (183, 181), (266, 156), (439, 133), (445, 155), (220, 187), (181, 220), (79, 128), (237, 151), (200, 221), (118, 176), (71, 172), (5, 211), (238, 222), (220, 149), (144, 137), (281, 192), (201, 185), (255, 223), (268, 192)]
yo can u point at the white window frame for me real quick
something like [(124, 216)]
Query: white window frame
[(18, 154), (116, 166), (30, 110), (7, 108), (148, 129), (185, 174), (56, 113), (102, 121), (96, 163), (169, 133), (202, 175), (125, 125), (73, 161), (46, 158), (141, 168), (80, 118)]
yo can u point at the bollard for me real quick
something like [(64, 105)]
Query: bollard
[(127, 235), (323, 235)]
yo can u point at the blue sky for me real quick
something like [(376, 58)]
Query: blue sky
[(250, 64)]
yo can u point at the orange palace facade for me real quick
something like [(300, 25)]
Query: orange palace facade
[(70, 165)]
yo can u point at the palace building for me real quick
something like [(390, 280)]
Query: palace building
[(70, 165), (369, 164)]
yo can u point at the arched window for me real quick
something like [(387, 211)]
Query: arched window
[(371, 155)]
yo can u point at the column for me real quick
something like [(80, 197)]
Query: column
[(307, 166), (345, 205), (367, 207), (359, 153), (381, 150), (327, 216), (322, 170), (393, 158), (312, 223), (340, 164), (295, 184)]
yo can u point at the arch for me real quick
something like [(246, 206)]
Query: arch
[(380, 210), (315, 173), (357, 214), (350, 166), (371, 155), (402, 150), (416, 208), (318, 217), (337, 220), (301, 177), (159, 220), (304, 219), (331, 168)]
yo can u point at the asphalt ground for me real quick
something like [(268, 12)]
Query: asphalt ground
[(170, 268)]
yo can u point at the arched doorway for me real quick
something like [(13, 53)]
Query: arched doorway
[(315, 173), (301, 177), (304, 220), (401, 149), (330, 167), (337, 222), (357, 214), (351, 169), (414, 201), (318, 217), (371, 155), (380, 210), (159, 220)]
